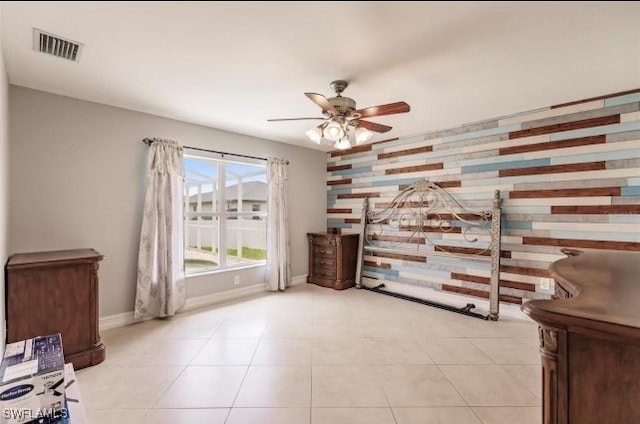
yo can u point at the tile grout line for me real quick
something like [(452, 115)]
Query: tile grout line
[(453, 385), (244, 377), (501, 366), (476, 414), (517, 381), (386, 396), (184, 368), (324, 307)]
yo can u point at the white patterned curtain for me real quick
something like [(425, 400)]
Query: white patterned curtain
[(160, 290), (278, 266)]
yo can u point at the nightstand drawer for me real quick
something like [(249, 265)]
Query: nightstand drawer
[(324, 241), (324, 261), (326, 272), (324, 251)]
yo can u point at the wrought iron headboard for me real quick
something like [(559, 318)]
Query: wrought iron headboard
[(423, 209)]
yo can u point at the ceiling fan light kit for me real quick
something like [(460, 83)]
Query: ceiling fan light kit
[(333, 131), (341, 115), (363, 135), (314, 134), (342, 144)]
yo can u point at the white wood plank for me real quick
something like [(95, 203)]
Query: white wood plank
[(550, 113)]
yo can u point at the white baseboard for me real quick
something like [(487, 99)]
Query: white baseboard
[(126, 318), (299, 279), (117, 320), (225, 296)]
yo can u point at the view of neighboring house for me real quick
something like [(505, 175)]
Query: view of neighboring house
[(253, 196)]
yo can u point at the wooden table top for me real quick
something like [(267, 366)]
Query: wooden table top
[(20, 259), (606, 294)]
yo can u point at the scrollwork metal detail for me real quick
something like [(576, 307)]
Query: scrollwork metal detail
[(422, 209)]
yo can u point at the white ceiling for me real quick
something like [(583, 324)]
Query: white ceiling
[(233, 65)]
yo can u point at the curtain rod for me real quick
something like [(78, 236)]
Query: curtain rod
[(149, 141)]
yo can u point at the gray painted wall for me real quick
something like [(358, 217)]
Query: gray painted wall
[(77, 176), (4, 182)]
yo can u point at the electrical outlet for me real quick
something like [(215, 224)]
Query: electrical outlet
[(236, 279), (545, 283)]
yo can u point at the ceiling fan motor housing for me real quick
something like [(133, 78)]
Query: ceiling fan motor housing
[(343, 104), (341, 112)]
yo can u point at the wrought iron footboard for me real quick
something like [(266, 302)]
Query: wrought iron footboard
[(415, 220)]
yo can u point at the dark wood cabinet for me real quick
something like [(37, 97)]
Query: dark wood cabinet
[(56, 292), (590, 340), (332, 260)]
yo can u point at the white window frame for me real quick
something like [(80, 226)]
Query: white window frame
[(222, 215)]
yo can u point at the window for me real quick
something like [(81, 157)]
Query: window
[(225, 206)]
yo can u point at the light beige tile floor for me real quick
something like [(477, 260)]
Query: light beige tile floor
[(317, 356)]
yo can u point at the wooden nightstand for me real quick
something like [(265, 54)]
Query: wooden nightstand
[(332, 260), (56, 292)]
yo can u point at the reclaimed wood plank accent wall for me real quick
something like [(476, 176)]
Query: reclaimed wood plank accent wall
[(569, 176)]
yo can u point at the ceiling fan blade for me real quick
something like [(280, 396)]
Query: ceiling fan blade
[(390, 109), (372, 126), (292, 119), (323, 102)]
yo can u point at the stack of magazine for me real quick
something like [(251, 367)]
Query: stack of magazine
[(35, 385)]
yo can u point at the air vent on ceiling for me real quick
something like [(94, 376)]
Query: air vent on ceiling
[(44, 42)]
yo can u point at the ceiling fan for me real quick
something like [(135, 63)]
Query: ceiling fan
[(340, 115)]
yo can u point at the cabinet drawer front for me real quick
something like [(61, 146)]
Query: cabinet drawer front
[(324, 241), (324, 251), (322, 261), (325, 272), (51, 300)]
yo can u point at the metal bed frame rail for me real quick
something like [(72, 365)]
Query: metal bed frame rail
[(423, 208)]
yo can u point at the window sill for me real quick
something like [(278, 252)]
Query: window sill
[(228, 269)]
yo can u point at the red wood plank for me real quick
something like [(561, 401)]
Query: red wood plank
[(418, 168), (352, 151), (567, 126), (358, 195), (597, 209), (518, 285), (402, 257), (554, 169), (338, 210), (521, 270), (480, 293), (417, 150), (441, 184), (587, 244), (338, 168), (568, 192), (465, 250), (429, 229), (375, 265), (561, 144), (607, 96), (400, 239), (386, 141), (449, 184), (339, 182), (485, 280)]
